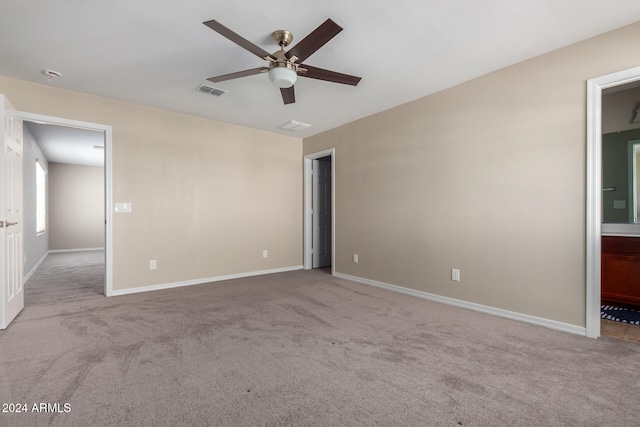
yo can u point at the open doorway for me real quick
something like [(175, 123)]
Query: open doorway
[(68, 255), (63, 213), (319, 212), (596, 229), (620, 258)]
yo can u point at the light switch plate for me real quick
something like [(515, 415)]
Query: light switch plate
[(123, 207)]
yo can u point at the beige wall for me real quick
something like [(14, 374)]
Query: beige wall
[(207, 197), (488, 176), (76, 206)]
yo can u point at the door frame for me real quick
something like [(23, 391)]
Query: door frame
[(108, 182), (595, 87), (308, 219)]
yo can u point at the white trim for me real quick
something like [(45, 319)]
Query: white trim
[(58, 251), (595, 87), (202, 281), (108, 181), (33, 270), (539, 321), (108, 212), (308, 192)]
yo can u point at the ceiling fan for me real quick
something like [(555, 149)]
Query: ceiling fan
[(285, 66)]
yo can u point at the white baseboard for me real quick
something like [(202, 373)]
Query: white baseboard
[(33, 270), (552, 324), (127, 291), (56, 251)]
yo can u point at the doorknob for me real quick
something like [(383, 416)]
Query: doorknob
[(7, 224)]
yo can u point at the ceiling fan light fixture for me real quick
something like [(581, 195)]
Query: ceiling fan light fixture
[(284, 65), (282, 75)]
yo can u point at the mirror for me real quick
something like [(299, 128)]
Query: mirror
[(620, 154), (620, 167)]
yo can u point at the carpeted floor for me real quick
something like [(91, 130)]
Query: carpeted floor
[(304, 349), (65, 277)]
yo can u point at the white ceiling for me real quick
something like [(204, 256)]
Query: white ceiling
[(61, 144), (157, 52)]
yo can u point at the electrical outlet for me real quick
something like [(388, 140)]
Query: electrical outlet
[(153, 264), (265, 254), (355, 258), (455, 274)]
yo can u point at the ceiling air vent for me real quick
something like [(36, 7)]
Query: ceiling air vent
[(211, 90), (294, 126)]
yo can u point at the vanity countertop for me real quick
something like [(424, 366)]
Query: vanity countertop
[(623, 230)]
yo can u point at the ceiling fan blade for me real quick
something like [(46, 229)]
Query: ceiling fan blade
[(237, 39), (330, 76), (314, 41), (235, 75), (288, 95)]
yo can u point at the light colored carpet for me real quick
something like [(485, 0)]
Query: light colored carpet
[(305, 349)]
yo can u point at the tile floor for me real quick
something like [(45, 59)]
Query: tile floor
[(623, 331)]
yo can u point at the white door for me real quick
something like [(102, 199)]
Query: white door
[(321, 208), (11, 237)]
